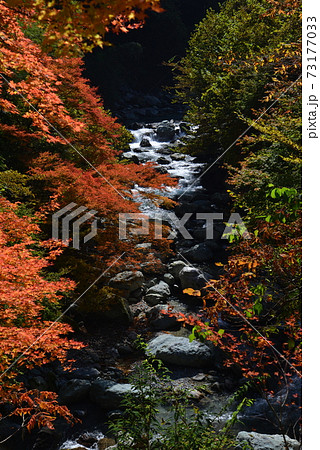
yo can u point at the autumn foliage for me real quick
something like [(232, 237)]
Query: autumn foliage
[(73, 26), (58, 145), (27, 338)]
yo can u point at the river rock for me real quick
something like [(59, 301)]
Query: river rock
[(199, 253), (127, 281), (109, 394), (163, 161), (165, 132), (259, 441), (145, 143), (180, 351), (191, 278), (176, 267), (178, 156), (161, 321), (46, 439), (157, 293), (74, 390), (168, 278)]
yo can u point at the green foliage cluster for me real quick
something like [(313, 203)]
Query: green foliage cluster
[(187, 427), (231, 58)]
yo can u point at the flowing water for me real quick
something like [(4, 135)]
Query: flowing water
[(186, 169)]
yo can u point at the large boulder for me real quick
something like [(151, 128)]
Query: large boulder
[(109, 394), (175, 268), (191, 278), (127, 281), (258, 441), (165, 132), (180, 351), (157, 293)]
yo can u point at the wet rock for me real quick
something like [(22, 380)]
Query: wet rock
[(286, 403), (108, 394), (127, 281), (46, 440), (164, 151), (157, 293), (165, 132), (73, 391), (145, 143), (178, 156), (180, 351), (168, 278), (199, 253), (161, 321), (191, 278), (163, 161), (259, 441), (161, 170), (176, 267), (199, 377)]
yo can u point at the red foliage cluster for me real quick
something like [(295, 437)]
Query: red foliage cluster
[(27, 339)]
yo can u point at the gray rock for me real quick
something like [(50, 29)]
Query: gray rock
[(181, 352), (166, 132), (267, 441), (127, 281), (178, 156), (191, 278), (157, 293), (199, 253), (161, 321), (145, 143), (176, 267), (168, 278), (108, 394), (74, 390)]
